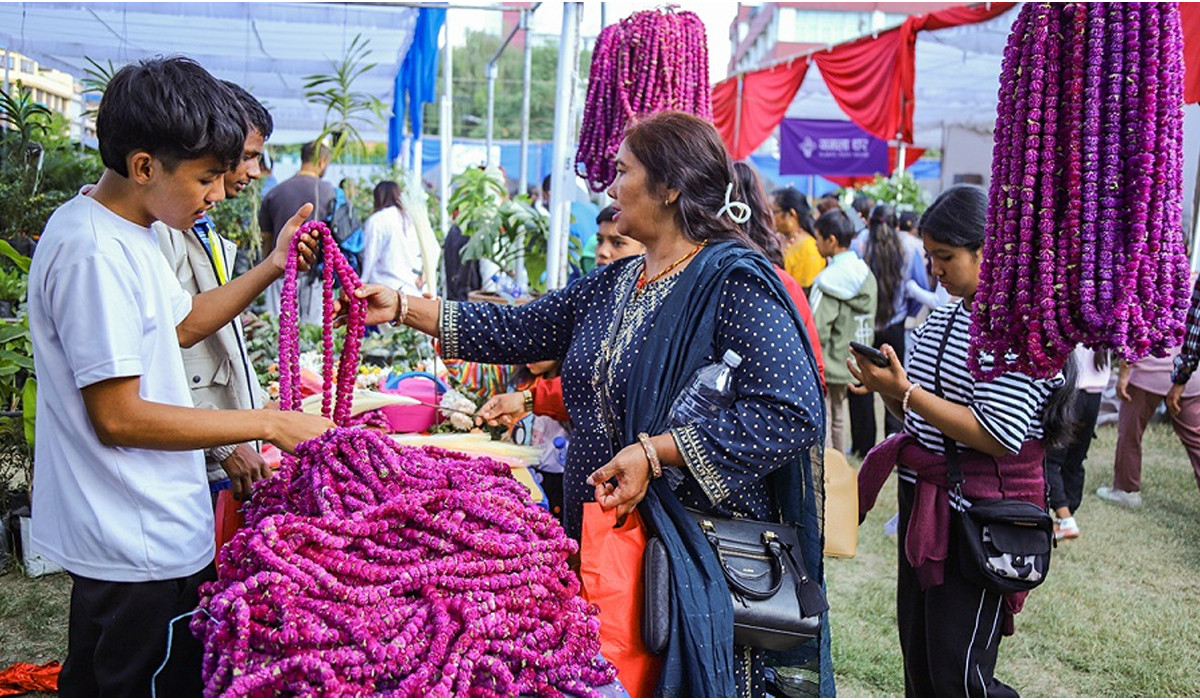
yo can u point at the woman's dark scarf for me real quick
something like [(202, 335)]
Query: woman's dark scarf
[(699, 657)]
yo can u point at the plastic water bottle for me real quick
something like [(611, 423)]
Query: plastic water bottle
[(560, 450), (709, 392)]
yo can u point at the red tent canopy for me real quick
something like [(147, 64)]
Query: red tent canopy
[(871, 79)]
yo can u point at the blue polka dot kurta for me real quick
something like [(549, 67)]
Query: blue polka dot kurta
[(775, 418)]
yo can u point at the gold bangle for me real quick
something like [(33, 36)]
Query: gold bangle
[(651, 455), (528, 395)]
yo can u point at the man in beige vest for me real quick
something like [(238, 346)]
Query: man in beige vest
[(218, 368)]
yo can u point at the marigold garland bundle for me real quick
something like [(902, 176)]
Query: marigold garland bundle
[(370, 569), (1084, 226), (650, 61)]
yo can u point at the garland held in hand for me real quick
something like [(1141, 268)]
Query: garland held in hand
[(1084, 236), (650, 61)]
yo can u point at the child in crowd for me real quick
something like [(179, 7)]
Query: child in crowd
[(843, 305), (120, 496)]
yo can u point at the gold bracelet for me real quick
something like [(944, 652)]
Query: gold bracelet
[(401, 308), (651, 455), (528, 395)]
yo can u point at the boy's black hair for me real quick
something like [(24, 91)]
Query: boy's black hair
[(834, 223), (546, 184), (257, 116), (171, 108), (308, 152), (606, 214)]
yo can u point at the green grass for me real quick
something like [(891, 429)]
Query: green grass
[(1119, 615)]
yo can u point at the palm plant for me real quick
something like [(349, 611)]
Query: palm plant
[(345, 107)]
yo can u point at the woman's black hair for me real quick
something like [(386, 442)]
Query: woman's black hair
[(387, 194), (685, 153), (907, 221), (885, 256), (1060, 420), (172, 109), (761, 226), (791, 199), (957, 217)]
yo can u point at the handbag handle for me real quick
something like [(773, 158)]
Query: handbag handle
[(774, 548)]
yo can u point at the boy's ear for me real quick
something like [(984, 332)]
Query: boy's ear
[(141, 166)]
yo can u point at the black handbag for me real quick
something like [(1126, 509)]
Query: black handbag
[(776, 606), (1002, 545)]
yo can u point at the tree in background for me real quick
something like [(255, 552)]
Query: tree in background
[(470, 89)]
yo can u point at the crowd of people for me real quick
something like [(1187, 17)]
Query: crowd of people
[(147, 393)]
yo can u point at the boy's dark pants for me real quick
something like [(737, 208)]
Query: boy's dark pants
[(118, 638)]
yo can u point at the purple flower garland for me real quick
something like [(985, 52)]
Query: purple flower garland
[(1084, 241), (367, 568), (650, 61)]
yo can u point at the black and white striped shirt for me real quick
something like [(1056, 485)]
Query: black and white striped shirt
[(1009, 408)]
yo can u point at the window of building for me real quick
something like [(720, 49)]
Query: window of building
[(27, 66)]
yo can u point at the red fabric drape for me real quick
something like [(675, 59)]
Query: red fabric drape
[(863, 77), (766, 96), (867, 78), (1189, 16), (911, 155)]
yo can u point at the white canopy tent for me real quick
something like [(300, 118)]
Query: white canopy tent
[(267, 48)]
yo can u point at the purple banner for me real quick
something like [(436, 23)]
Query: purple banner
[(825, 147)]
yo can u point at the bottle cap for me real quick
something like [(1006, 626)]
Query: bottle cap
[(731, 358), (560, 442)]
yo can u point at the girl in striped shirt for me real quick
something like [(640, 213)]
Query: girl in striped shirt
[(950, 628)]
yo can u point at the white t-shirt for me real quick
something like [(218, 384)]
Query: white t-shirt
[(103, 303), (391, 253)]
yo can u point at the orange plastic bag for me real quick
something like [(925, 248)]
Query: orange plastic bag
[(22, 678), (611, 570), (229, 518)]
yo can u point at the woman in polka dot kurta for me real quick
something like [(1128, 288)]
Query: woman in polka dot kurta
[(631, 335)]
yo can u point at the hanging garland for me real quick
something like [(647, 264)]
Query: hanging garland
[(1084, 224), (370, 569), (650, 61)]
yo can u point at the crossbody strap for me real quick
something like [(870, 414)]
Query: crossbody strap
[(953, 469)]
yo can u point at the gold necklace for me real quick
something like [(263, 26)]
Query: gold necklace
[(642, 282)]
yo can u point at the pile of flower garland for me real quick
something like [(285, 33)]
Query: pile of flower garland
[(650, 61), (370, 569), (1085, 240)]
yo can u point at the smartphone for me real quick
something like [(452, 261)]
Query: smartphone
[(876, 357)]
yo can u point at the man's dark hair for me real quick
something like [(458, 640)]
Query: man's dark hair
[(546, 184), (174, 110), (834, 223), (606, 214), (308, 152), (257, 116), (862, 205)]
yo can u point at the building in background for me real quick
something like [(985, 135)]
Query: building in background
[(58, 91), (762, 34)]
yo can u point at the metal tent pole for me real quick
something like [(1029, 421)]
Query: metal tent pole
[(446, 127), (526, 83), (564, 125)]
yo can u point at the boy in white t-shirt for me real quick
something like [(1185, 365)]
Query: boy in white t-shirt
[(120, 496)]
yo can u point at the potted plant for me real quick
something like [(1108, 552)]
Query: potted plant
[(509, 233)]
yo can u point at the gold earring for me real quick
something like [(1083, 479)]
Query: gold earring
[(667, 202)]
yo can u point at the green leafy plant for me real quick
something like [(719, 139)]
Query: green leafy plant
[(96, 78), (901, 192), (345, 107), (237, 219)]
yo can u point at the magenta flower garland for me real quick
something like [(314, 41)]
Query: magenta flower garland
[(370, 569), (648, 62), (1084, 238)]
